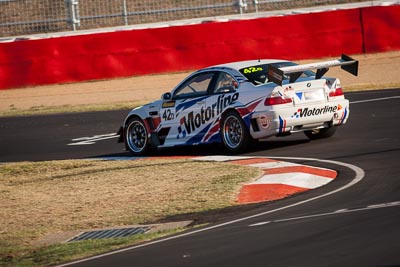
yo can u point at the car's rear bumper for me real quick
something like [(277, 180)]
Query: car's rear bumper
[(286, 119)]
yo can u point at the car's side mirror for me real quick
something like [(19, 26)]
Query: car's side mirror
[(166, 96)]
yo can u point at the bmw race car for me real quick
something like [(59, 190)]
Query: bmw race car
[(237, 103)]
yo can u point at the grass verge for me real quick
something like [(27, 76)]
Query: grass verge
[(46, 110), (44, 198)]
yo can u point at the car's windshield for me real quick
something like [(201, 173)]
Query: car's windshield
[(258, 74)]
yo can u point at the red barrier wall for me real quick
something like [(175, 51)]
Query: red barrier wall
[(381, 28), (138, 52)]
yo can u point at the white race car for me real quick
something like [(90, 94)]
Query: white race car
[(237, 103)]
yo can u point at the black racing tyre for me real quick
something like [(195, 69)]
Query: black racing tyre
[(136, 137), (321, 133), (234, 133)]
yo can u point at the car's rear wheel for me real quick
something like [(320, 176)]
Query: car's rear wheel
[(320, 133), (234, 133), (136, 137)]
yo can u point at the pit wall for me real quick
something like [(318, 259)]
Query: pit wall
[(181, 48)]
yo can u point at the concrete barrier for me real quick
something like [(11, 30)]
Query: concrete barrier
[(170, 49)]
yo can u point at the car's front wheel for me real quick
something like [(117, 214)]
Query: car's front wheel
[(234, 133), (320, 133), (136, 137)]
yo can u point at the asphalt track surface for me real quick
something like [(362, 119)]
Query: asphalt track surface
[(352, 221)]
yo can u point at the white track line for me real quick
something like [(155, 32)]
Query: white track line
[(342, 211), (374, 99)]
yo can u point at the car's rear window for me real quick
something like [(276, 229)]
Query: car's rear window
[(258, 74)]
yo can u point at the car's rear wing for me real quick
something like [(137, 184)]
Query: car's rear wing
[(276, 75)]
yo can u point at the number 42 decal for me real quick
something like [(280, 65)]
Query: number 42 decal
[(252, 69), (168, 115)]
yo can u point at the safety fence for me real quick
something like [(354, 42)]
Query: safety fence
[(25, 17)]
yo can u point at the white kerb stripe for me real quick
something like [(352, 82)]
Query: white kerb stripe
[(298, 179), (281, 164), (222, 158), (274, 164)]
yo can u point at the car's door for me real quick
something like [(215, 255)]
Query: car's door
[(222, 95), (183, 117)]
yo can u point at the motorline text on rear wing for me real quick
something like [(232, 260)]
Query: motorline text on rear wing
[(276, 75)]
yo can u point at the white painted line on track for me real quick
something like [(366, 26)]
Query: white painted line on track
[(337, 212), (359, 175), (260, 223), (374, 99), (92, 139)]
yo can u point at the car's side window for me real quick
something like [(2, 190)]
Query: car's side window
[(195, 86), (225, 84)]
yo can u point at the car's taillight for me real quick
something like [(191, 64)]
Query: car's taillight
[(271, 101), (336, 92)]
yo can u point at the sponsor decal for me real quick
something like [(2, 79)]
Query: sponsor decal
[(344, 115), (181, 132), (288, 89), (307, 112), (288, 92), (265, 121), (193, 121), (300, 95), (282, 125), (168, 104)]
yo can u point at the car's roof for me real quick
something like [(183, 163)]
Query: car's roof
[(248, 63)]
